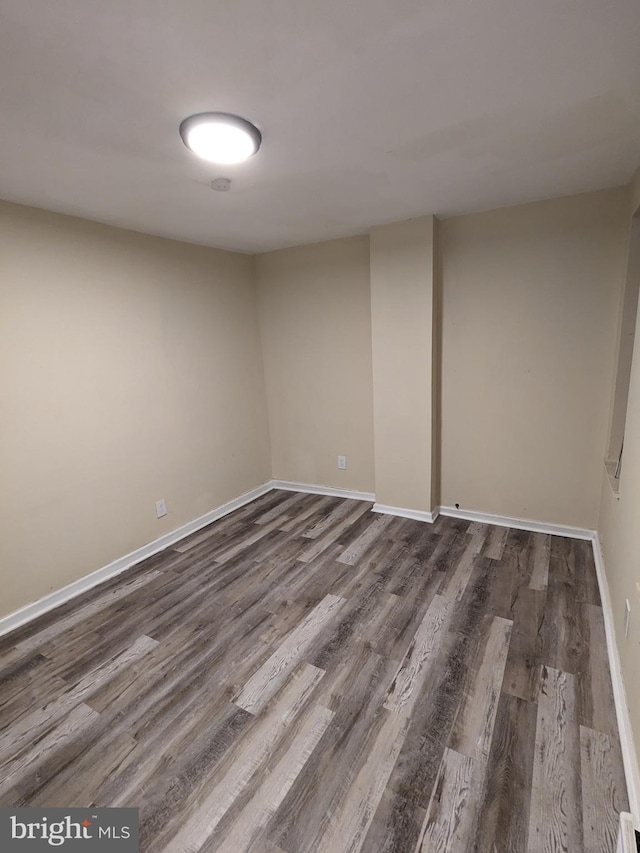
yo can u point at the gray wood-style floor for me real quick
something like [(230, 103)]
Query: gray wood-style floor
[(306, 675)]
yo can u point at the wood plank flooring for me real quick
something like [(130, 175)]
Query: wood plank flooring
[(306, 676)]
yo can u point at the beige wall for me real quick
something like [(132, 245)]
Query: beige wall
[(530, 301), (626, 333), (131, 371), (402, 298), (635, 192), (619, 530), (315, 309)]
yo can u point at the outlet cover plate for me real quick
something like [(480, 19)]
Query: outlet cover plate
[(627, 616)]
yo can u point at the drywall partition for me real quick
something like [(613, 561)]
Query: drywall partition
[(131, 371), (314, 308), (626, 339), (530, 304), (402, 313), (619, 529)]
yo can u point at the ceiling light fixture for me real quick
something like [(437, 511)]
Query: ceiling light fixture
[(220, 137)]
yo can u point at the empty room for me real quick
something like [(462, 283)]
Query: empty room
[(320, 426)]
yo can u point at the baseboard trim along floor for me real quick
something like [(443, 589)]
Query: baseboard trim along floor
[(455, 675), (627, 744), (519, 523), (66, 593), (415, 514), (331, 491), (58, 597), (631, 768), (627, 837)]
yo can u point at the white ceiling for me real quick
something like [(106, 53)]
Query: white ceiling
[(371, 110)]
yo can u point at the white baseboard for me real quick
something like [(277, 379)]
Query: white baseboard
[(311, 489), (629, 754), (518, 523), (626, 835), (55, 599), (415, 514)]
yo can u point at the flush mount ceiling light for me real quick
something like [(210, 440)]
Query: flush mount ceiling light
[(220, 137)]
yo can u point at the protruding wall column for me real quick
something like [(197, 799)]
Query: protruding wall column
[(403, 293)]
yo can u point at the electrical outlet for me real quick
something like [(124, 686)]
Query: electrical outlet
[(161, 508), (627, 616), (342, 462)]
